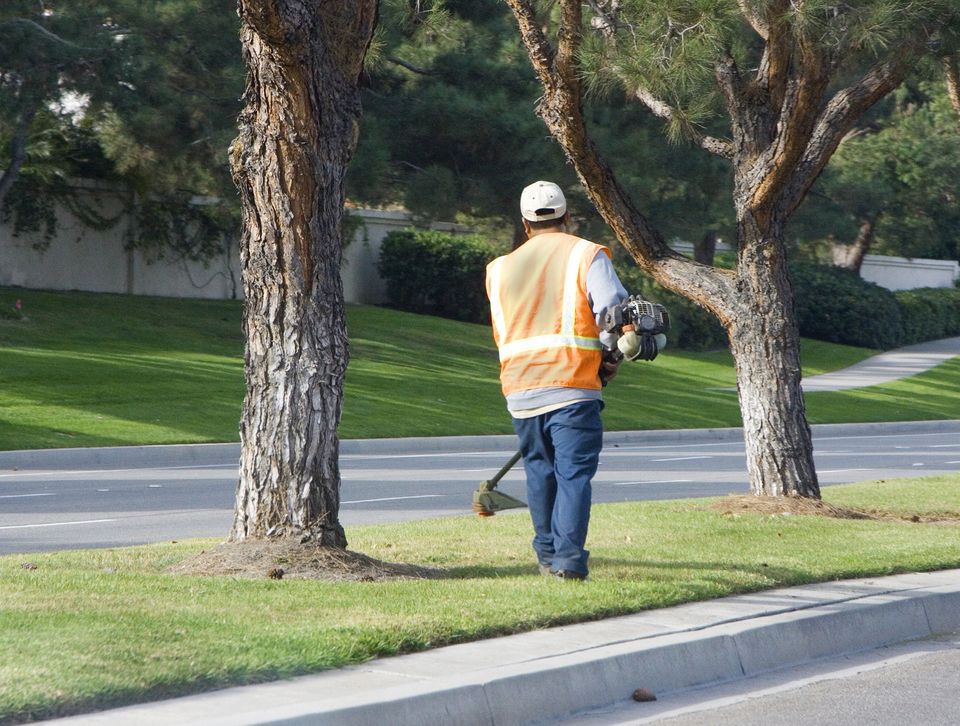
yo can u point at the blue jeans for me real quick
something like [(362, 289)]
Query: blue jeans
[(561, 450)]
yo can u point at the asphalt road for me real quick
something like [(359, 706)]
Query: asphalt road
[(51, 502), (916, 682)]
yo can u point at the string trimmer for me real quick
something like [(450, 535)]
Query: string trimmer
[(487, 501), (640, 327)]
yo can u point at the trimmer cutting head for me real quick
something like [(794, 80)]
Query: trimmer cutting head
[(487, 501)]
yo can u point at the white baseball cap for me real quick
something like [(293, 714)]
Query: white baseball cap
[(541, 201)]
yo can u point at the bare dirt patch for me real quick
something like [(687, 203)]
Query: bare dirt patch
[(287, 557), (804, 506)]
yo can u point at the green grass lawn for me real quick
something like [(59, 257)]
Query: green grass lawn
[(89, 629), (84, 369)]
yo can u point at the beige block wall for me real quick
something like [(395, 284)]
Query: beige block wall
[(79, 258)]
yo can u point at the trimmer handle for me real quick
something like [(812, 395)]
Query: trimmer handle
[(491, 484)]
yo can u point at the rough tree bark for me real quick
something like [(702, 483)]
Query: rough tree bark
[(785, 123), (298, 131)]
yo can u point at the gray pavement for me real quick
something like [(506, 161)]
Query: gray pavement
[(51, 503), (916, 682), (551, 675)]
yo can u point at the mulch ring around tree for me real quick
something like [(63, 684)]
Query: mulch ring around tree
[(791, 505), (289, 557)]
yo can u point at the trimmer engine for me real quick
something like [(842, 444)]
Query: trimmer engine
[(640, 326)]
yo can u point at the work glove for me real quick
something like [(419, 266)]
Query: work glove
[(641, 346)]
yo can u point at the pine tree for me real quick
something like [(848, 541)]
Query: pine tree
[(789, 78)]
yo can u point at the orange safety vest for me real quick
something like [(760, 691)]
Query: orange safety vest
[(543, 325)]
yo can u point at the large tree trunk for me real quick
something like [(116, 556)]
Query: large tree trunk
[(18, 152), (765, 343), (952, 66), (705, 250), (861, 245), (297, 134)]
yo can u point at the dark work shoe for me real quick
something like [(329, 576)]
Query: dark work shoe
[(570, 575)]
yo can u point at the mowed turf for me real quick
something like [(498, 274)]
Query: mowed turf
[(82, 369)]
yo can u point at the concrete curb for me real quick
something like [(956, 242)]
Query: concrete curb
[(552, 674), (119, 457)]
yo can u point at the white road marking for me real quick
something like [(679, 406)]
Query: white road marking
[(921, 434), (56, 524), (656, 481), (435, 455), (24, 496), (839, 471), (944, 446), (683, 458), (59, 472), (392, 499)]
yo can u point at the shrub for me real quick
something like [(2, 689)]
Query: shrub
[(929, 313), (836, 305), (691, 327), (437, 273)]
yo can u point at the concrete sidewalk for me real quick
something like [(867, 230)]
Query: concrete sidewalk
[(551, 674), (886, 367)]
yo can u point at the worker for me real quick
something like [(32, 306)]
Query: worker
[(545, 297)]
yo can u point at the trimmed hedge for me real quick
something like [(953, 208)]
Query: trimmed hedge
[(437, 273), (836, 305), (929, 313)]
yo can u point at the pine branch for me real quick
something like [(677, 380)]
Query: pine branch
[(409, 66), (569, 38), (841, 112), (603, 21), (804, 92), (538, 46), (774, 66), (743, 122), (49, 35), (719, 147)]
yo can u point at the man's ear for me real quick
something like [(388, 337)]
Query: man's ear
[(526, 226)]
